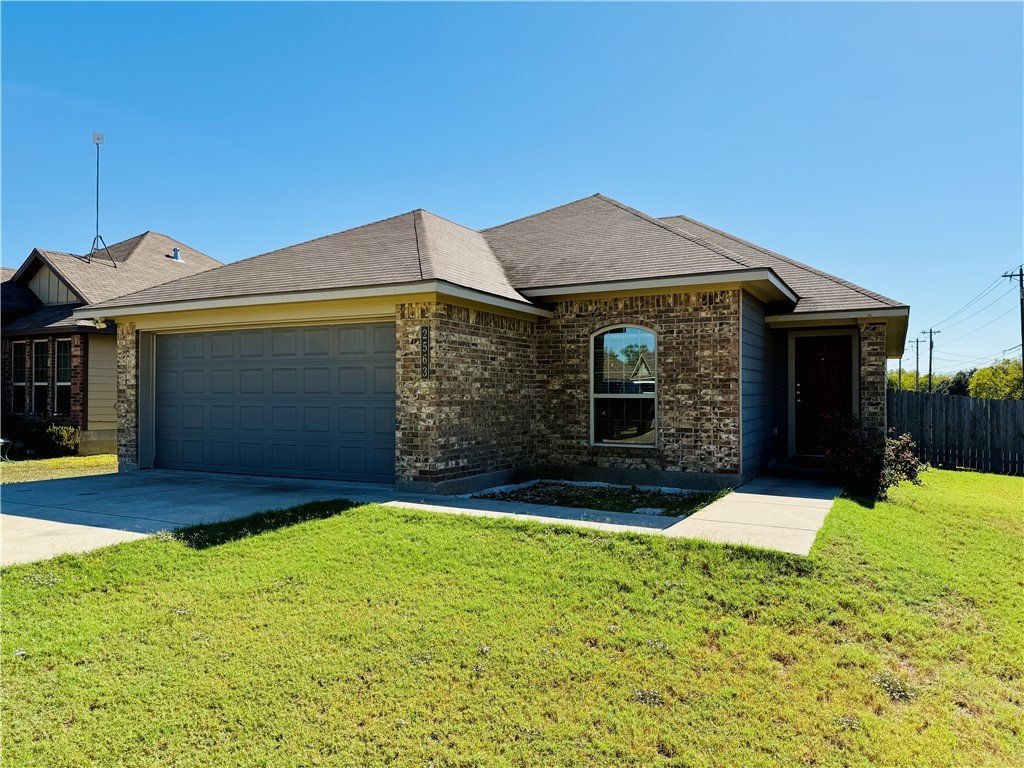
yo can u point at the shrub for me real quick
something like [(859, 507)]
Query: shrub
[(64, 437), (900, 462), (37, 439), (865, 461)]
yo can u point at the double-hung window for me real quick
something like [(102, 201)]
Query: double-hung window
[(19, 366), (62, 381), (40, 376), (623, 387)]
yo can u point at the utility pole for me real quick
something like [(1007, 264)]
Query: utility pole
[(917, 364), (931, 346), (899, 376), (1020, 282)]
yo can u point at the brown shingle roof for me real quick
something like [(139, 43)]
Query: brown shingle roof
[(408, 248), (592, 240), (598, 239), (15, 299), (818, 291), (141, 262)]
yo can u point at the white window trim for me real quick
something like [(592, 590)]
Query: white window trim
[(47, 383), (640, 396), (56, 373)]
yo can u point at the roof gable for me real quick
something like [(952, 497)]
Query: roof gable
[(133, 264)]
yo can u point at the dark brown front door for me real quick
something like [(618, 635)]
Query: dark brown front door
[(823, 385)]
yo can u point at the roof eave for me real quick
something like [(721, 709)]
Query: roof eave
[(101, 311), (897, 320), (763, 281)]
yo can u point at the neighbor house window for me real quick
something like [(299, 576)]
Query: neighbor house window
[(40, 376), (19, 350), (623, 384), (62, 384)]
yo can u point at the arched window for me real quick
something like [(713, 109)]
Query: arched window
[(623, 386)]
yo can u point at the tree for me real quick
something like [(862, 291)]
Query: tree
[(1003, 380), (907, 383), (957, 384)]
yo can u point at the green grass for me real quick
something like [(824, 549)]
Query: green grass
[(53, 469), (385, 636), (612, 498)]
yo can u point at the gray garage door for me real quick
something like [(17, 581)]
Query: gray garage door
[(294, 402)]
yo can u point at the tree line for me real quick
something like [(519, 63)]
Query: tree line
[(1003, 380)]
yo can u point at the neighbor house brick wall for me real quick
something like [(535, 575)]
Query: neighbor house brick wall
[(475, 413), (872, 375), (127, 405), (698, 410), (76, 416)]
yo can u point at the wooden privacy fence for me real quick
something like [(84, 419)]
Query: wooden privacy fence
[(971, 432)]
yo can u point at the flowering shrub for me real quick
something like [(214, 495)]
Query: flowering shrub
[(866, 462)]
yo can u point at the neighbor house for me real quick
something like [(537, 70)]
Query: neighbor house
[(590, 341), (62, 370)]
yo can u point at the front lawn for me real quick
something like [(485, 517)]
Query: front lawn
[(384, 636), (53, 469)]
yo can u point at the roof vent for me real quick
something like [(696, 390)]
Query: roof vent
[(176, 256)]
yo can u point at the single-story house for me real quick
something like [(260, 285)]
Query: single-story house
[(59, 369), (589, 341)]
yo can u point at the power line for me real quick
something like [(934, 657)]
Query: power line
[(984, 292), (975, 314), (998, 317)]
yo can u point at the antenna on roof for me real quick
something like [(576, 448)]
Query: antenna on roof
[(97, 241)]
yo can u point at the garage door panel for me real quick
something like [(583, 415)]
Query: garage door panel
[(302, 402)]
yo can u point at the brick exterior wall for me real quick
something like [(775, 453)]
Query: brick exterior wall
[(475, 413), (872, 375), (698, 410), (127, 405), (77, 415)]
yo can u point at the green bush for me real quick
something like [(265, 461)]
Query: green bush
[(65, 438), (866, 462), (39, 440)]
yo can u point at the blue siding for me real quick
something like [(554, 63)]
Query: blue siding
[(757, 373)]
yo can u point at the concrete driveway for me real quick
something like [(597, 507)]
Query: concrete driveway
[(51, 517)]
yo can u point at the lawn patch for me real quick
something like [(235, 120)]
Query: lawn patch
[(610, 498), (55, 469), (386, 636)]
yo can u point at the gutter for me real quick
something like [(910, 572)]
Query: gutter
[(760, 274), (100, 312)]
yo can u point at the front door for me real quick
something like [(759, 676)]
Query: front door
[(823, 385)]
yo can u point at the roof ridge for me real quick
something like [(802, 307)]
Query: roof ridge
[(540, 213), (417, 215), (685, 235), (180, 242), (483, 238), (794, 262)]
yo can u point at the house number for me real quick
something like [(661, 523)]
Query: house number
[(425, 352)]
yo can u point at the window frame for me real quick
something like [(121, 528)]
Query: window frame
[(23, 384), (592, 396), (57, 383), (45, 383)]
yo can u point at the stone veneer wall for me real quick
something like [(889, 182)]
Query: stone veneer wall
[(698, 382), (475, 413), (872, 375), (127, 406)]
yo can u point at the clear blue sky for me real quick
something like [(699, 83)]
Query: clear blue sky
[(879, 142)]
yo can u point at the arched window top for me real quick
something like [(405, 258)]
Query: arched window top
[(623, 386), (625, 361)]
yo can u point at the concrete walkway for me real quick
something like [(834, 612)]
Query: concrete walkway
[(768, 512), (47, 518)]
